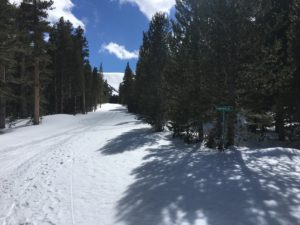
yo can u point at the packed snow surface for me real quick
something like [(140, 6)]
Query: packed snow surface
[(107, 168)]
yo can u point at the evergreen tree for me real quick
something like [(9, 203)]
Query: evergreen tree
[(233, 22), (150, 67), (126, 87), (101, 85), (81, 54), (107, 92), (69, 62), (7, 41), (62, 55), (35, 73), (36, 15), (95, 88), (23, 56), (294, 50), (273, 67), (186, 85), (88, 86)]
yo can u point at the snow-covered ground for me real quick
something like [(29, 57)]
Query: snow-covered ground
[(114, 79), (107, 168)]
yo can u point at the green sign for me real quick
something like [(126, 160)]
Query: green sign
[(224, 108)]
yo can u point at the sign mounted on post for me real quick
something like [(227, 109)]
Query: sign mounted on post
[(224, 108)]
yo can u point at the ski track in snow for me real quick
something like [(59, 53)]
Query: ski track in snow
[(32, 191), (107, 168)]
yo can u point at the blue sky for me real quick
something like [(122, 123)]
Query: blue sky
[(114, 28), (110, 25)]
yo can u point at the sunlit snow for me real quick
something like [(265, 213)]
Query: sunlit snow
[(108, 168)]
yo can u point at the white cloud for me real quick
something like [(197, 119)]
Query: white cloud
[(150, 7), (119, 51), (61, 8)]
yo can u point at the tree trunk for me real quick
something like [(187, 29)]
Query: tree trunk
[(36, 117), (279, 123), (83, 95), (2, 101), (2, 112), (75, 105), (232, 76), (24, 112), (61, 94), (55, 96), (200, 132), (231, 129)]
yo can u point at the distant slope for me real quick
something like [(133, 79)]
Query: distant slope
[(114, 79)]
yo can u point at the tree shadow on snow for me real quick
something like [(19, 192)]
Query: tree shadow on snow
[(176, 186), (134, 122), (124, 110), (129, 141)]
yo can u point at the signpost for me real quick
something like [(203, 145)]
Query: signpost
[(224, 110)]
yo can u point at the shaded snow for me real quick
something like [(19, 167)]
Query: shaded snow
[(108, 168)]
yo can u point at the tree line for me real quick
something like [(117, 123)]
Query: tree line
[(44, 69), (241, 54)]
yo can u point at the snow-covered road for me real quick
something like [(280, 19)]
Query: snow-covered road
[(107, 168), (56, 173)]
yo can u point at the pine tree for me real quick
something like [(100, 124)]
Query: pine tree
[(209, 50), (126, 87), (7, 41), (107, 92), (150, 67), (37, 26), (95, 88), (61, 38), (233, 23), (23, 104), (273, 67), (69, 63), (186, 85), (39, 76), (294, 51), (88, 86), (81, 53), (101, 85)]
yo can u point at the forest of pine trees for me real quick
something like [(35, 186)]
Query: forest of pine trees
[(241, 54), (44, 69)]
